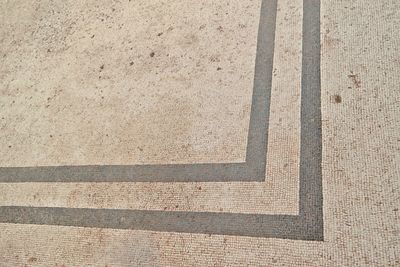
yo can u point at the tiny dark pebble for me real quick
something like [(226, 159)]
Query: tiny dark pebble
[(131, 63), (152, 54), (219, 68), (32, 259), (337, 98)]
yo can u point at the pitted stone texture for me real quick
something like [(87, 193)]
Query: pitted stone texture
[(277, 195), (132, 82), (360, 172)]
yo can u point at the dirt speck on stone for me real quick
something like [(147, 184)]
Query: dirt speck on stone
[(32, 259), (337, 99), (152, 54), (355, 79)]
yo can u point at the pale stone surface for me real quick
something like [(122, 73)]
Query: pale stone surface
[(130, 82), (278, 195), (360, 77)]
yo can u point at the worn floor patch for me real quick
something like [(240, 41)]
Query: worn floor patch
[(306, 224), (186, 133)]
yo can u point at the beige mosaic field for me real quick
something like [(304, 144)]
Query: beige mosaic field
[(167, 82)]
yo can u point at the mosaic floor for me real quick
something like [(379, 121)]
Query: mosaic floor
[(192, 133)]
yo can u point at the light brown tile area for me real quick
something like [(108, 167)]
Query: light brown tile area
[(283, 156), (360, 173), (93, 82), (241, 197), (277, 195)]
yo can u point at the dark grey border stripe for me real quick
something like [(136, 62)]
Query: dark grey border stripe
[(253, 169), (308, 225), (136, 173), (257, 141), (311, 201), (256, 225)]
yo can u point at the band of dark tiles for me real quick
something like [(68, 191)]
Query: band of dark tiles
[(308, 225)]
